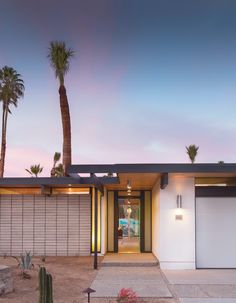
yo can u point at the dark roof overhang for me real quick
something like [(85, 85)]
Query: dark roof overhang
[(153, 168), (59, 182)]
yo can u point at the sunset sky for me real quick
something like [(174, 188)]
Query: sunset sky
[(149, 78)]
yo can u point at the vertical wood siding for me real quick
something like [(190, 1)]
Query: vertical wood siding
[(59, 225)]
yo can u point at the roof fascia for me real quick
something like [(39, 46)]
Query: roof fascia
[(153, 168)]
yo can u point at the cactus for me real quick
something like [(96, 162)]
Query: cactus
[(45, 286), (42, 284), (49, 289)]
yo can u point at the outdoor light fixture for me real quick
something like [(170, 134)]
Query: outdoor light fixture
[(129, 210), (179, 210), (128, 184), (88, 291), (129, 187)]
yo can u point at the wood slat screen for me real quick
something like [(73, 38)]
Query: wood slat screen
[(59, 225)]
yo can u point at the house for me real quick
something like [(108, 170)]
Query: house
[(185, 214)]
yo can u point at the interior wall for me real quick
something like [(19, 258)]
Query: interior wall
[(177, 237)]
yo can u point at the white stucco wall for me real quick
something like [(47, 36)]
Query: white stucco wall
[(174, 240), (104, 223)]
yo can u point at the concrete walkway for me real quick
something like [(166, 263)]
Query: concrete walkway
[(134, 259), (147, 282), (202, 286)]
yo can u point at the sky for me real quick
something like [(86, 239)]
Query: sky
[(149, 78)]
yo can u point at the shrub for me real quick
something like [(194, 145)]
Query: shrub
[(127, 295), (25, 263)]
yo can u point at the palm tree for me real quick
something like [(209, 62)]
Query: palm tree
[(59, 170), (59, 56), (192, 152), (56, 158), (35, 170), (11, 89)]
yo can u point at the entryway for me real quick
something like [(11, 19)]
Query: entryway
[(129, 225), (129, 221)]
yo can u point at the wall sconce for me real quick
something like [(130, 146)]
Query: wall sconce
[(179, 210)]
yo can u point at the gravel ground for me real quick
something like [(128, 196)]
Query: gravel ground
[(71, 275)]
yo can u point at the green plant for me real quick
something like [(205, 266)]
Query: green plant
[(11, 89), (45, 286), (57, 170), (35, 170), (25, 263), (192, 151)]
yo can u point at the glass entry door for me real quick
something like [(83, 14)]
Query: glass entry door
[(129, 225)]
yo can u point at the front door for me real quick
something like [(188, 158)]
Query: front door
[(129, 225)]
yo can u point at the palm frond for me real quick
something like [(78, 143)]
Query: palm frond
[(192, 151), (59, 170), (35, 170), (11, 87), (59, 56), (57, 157)]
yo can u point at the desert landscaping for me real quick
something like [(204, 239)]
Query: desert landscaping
[(71, 275)]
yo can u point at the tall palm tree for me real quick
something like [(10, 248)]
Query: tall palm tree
[(35, 170), (59, 56), (11, 89), (192, 151)]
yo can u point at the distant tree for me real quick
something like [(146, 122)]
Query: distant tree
[(59, 56), (11, 89), (221, 162), (56, 158), (192, 151), (59, 170), (35, 170)]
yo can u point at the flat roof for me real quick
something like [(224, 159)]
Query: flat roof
[(153, 168), (55, 182), (141, 174)]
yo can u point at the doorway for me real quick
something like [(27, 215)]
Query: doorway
[(129, 225)]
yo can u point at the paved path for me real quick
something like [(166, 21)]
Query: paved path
[(136, 260), (147, 282), (209, 300), (202, 286)]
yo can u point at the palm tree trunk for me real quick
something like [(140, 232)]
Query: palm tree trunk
[(66, 126), (3, 143)]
